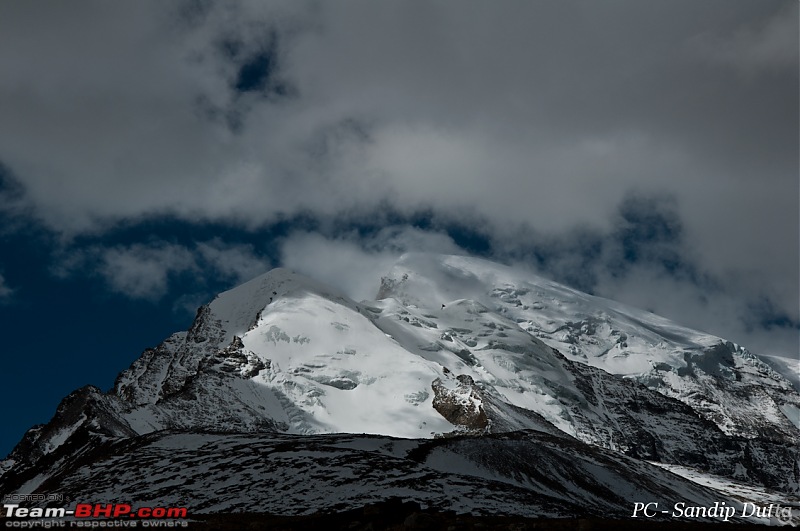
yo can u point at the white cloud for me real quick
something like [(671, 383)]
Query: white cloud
[(237, 262), (142, 271), (355, 265), (146, 270), (5, 291)]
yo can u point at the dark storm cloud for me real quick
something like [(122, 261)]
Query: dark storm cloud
[(534, 117)]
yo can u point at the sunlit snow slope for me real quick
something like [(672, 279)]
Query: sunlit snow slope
[(722, 381)]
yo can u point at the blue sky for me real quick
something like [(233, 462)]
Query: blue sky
[(153, 155)]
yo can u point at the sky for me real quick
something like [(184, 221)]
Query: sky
[(153, 154)]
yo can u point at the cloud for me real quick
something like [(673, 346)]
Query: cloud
[(147, 271), (142, 271), (725, 310), (515, 118), (764, 44), (525, 112), (5, 291), (646, 259), (355, 264), (236, 262)]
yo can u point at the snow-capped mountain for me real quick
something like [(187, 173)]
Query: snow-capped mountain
[(453, 346)]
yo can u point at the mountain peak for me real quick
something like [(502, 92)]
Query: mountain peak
[(455, 345), (238, 307)]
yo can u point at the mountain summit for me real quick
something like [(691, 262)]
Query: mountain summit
[(454, 349)]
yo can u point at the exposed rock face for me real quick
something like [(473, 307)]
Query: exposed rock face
[(237, 359), (462, 406), (83, 421), (390, 285)]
